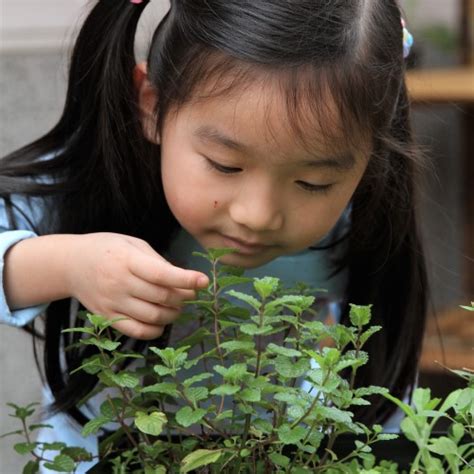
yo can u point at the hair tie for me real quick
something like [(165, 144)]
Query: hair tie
[(136, 2), (407, 40)]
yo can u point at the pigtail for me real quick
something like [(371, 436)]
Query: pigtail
[(387, 266), (113, 173)]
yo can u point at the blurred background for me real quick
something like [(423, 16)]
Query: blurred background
[(35, 43)]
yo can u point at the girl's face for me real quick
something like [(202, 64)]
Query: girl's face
[(234, 175)]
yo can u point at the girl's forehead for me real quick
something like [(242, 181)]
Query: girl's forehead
[(262, 116)]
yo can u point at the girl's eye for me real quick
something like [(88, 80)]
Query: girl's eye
[(315, 188), (222, 168)]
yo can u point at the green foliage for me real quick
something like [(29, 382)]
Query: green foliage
[(229, 398)]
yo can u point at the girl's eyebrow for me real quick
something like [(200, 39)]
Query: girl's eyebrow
[(340, 162)]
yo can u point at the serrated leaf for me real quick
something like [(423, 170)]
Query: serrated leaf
[(360, 315), (250, 395), (61, 463), (24, 448), (32, 467), (186, 416), (151, 423), (77, 454), (93, 426), (289, 369), (279, 459), (225, 389), (254, 330), (284, 351), (387, 436), (225, 281), (161, 370), (197, 378), (266, 286), (167, 388), (288, 435), (335, 414), (250, 300), (244, 346), (443, 446), (196, 394), (201, 457), (105, 344), (54, 446), (110, 407), (124, 379), (224, 415), (216, 254)]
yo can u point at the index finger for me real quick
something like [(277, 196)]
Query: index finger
[(160, 272)]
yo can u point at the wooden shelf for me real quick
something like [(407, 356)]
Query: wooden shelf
[(441, 85), (456, 331)]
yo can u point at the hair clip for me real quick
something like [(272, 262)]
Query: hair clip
[(407, 40), (136, 2)]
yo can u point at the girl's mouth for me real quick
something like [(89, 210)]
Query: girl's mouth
[(244, 247)]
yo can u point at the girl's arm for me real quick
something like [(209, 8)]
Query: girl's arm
[(114, 275), (35, 270)]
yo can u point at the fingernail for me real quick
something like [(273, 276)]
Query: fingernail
[(203, 281)]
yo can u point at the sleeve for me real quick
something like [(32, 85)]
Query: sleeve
[(19, 217)]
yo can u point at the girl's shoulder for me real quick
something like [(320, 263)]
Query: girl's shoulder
[(27, 212)]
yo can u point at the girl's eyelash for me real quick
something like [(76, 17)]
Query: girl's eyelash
[(222, 168), (315, 188), (312, 188)]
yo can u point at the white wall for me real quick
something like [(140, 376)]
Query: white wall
[(52, 24)]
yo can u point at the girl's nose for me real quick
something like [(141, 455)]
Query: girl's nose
[(258, 209)]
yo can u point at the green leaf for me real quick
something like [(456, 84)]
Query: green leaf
[(225, 389), (93, 426), (254, 330), (105, 344), (368, 333), (196, 394), (360, 315), (387, 436), (161, 370), (32, 467), (186, 416), (110, 407), (244, 346), (152, 423), (24, 448), (284, 351), (77, 454), (216, 254), (225, 281), (443, 446), (289, 369), (266, 286), (288, 435), (54, 446), (166, 388), (250, 395), (250, 300), (61, 463), (124, 379), (224, 415), (335, 414), (84, 330), (197, 378), (201, 457), (279, 459)]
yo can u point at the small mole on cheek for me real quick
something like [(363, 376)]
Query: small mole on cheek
[(215, 204)]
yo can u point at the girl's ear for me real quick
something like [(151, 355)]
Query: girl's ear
[(147, 100)]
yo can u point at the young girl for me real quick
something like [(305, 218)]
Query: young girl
[(278, 128)]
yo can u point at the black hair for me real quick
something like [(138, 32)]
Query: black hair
[(107, 175)]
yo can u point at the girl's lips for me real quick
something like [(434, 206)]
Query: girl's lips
[(242, 246)]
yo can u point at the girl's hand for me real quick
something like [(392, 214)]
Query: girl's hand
[(116, 276)]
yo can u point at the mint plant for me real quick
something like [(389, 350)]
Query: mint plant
[(229, 396)]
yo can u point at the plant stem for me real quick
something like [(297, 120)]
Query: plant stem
[(215, 308)]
